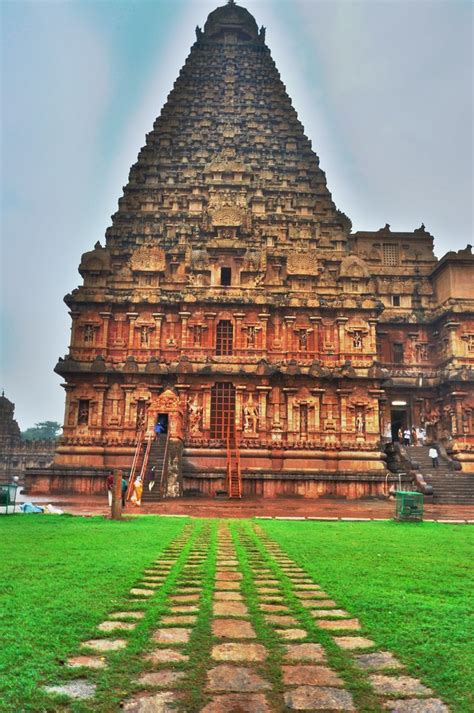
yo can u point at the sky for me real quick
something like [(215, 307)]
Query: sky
[(384, 89)]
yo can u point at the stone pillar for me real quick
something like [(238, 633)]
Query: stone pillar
[(210, 318), (100, 389), (156, 344), (184, 328), (238, 317), (264, 317), (128, 389), (451, 328), (316, 323), (239, 405), (132, 316), (263, 392), (74, 315), (372, 345), (343, 393), (105, 328), (289, 395), (341, 335), (318, 394), (68, 415), (206, 406), (288, 337), (277, 338)]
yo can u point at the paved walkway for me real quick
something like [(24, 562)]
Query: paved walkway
[(253, 507), (225, 622)]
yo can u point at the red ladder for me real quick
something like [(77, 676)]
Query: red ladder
[(234, 477)]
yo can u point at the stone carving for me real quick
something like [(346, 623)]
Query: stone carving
[(251, 415), (194, 417), (148, 259), (302, 263), (227, 217)]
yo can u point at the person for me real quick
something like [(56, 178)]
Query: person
[(406, 436), (433, 454), (422, 436), (137, 492), (110, 488), (124, 489), (400, 435), (414, 436), (151, 478)]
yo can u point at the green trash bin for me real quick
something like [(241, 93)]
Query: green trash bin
[(409, 506)]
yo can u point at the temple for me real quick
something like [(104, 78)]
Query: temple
[(233, 305)]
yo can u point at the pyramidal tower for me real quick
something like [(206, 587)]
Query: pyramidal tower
[(233, 333)]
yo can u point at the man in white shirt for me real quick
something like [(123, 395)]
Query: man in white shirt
[(433, 454)]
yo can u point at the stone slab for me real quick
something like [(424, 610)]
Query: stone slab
[(116, 626), (159, 656), (164, 702), (171, 636), (166, 678), (235, 678), (105, 644), (377, 661), (228, 576), (139, 592), (178, 619), (86, 661), (318, 603), (80, 689), (233, 629), (415, 705), (274, 608), (339, 625), (281, 619), (228, 597), (312, 698), (310, 675), (350, 643), (185, 598), (322, 613), (398, 685), (127, 615), (185, 609), (292, 634), (230, 609), (238, 703), (227, 586), (305, 652), (238, 652)]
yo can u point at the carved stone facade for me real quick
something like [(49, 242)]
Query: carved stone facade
[(230, 277), (16, 455)]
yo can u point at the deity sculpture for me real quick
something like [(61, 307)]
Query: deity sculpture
[(251, 413), (359, 423), (195, 413)]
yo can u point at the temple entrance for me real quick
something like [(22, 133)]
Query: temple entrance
[(222, 410), (399, 421), (161, 425)]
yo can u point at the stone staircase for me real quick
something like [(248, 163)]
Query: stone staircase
[(156, 459), (449, 485)]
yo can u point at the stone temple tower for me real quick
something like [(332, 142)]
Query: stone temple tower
[(232, 304)]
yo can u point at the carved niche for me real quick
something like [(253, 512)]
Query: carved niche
[(148, 259), (302, 263)]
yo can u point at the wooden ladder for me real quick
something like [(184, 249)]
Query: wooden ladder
[(234, 477)]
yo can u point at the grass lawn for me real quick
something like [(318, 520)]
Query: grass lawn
[(59, 577), (411, 586)]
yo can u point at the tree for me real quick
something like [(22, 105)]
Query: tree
[(43, 431)]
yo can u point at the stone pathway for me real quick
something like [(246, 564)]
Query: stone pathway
[(226, 622)]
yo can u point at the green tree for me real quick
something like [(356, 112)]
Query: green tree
[(44, 431)]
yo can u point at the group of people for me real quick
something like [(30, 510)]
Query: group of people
[(137, 492), (413, 436)]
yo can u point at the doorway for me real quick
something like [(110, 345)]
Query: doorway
[(399, 421), (161, 425)]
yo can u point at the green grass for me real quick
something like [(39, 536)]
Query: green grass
[(59, 578), (411, 586)]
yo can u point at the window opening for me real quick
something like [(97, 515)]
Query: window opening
[(391, 254), (226, 276), (398, 354), (224, 338), (222, 410), (396, 300)]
